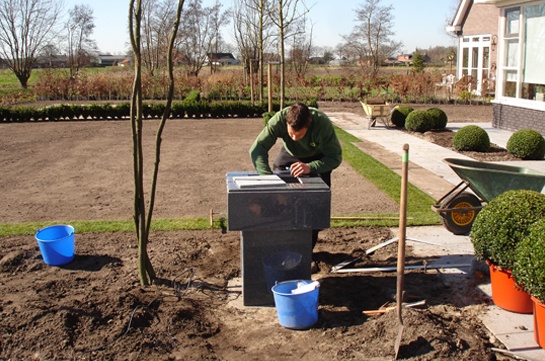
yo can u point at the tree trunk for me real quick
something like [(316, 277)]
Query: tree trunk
[(281, 40), (142, 222)]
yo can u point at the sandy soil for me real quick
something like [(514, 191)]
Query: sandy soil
[(95, 309)]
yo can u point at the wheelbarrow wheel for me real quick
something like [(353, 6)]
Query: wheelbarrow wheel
[(460, 222)]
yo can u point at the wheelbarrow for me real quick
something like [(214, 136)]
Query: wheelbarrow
[(458, 208), (377, 109)]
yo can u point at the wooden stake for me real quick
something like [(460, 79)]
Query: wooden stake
[(383, 310)]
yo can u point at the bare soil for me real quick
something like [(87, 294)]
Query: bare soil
[(95, 309)]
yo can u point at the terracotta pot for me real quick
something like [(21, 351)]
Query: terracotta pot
[(506, 293), (539, 322)]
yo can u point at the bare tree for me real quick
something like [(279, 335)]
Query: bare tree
[(157, 19), (284, 13), (141, 220), (252, 30), (199, 34), (243, 25), (218, 19), (301, 48), (371, 38), (80, 27), (26, 26)]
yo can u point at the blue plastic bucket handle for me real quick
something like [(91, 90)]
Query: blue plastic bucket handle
[(57, 244)]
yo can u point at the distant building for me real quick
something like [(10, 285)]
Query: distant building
[(405, 58), (320, 60), (51, 61), (110, 60), (126, 62), (221, 59)]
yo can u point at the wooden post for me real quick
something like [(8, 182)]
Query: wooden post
[(269, 85)]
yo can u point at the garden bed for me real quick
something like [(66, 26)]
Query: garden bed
[(94, 308)]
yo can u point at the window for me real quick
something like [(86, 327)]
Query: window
[(475, 61), (524, 53)]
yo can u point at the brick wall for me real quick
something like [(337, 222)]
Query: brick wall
[(482, 19), (516, 118)]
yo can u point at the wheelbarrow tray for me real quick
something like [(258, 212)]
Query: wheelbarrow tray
[(488, 180), (375, 110)]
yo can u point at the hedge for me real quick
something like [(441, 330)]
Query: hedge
[(188, 108)]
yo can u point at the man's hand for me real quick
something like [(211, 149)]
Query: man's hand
[(299, 168)]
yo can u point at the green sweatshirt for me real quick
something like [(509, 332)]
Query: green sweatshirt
[(320, 138)]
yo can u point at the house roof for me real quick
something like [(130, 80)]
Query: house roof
[(465, 6), (220, 55), (461, 13)]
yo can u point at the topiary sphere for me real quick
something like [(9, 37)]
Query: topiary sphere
[(526, 144), (399, 114), (529, 267), (419, 121), (471, 138), (440, 118), (503, 223)]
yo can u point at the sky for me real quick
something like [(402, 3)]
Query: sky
[(417, 23)]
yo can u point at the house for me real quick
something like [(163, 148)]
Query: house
[(501, 48), (476, 27), (221, 59), (51, 61), (127, 62), (320, 60), (110, 60), (405, 58)]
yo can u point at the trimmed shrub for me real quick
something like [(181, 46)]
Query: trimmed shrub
[(503, 223), (419, 121), (526, 144), (529, 267), (439, 117), (471, 138), (399, 114)]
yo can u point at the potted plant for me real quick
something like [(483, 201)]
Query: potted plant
[(529, 272), (496, 231)]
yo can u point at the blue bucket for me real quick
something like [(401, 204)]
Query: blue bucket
[(57, 244), (298, 311)]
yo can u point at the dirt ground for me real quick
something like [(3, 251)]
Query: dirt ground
[(95, 309)]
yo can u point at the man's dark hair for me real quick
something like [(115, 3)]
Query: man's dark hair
[(298, 116)]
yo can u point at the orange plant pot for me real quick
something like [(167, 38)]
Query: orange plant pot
[(506, 293), (539, 322)]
